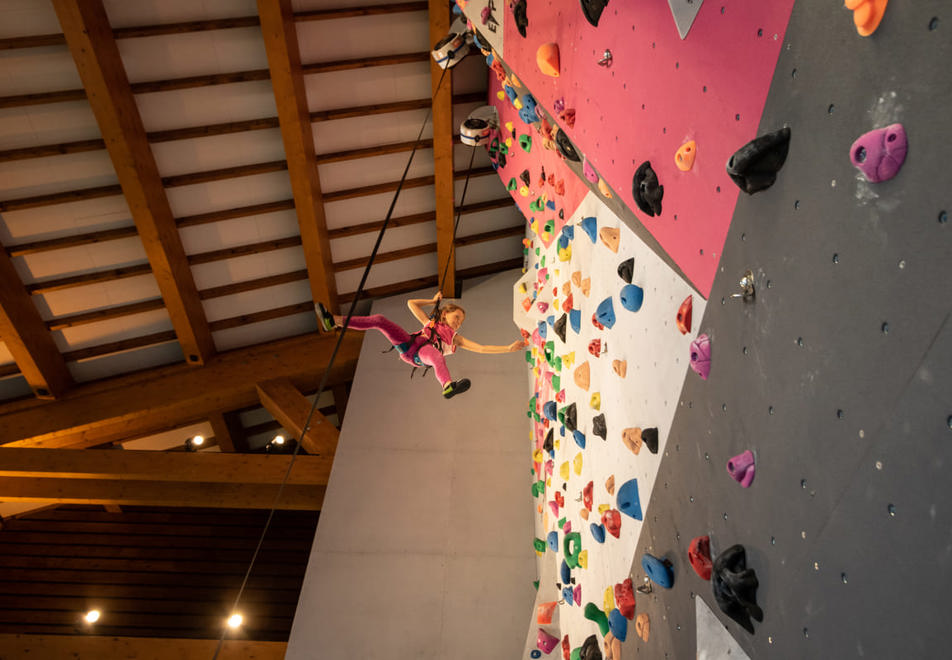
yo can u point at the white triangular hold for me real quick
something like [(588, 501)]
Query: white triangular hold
[(684, 12)]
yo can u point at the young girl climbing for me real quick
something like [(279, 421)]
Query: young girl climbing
[(427, 348)]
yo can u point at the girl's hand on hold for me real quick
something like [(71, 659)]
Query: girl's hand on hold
[(518, 345), (438, 297)]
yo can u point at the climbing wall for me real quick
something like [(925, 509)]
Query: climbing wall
[(834, 374)]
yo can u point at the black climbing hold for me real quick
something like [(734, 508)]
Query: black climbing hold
[(590, 650), (561, 214), (526, 178), (548, 445), (592, 9), (501, 159), (735, 587), (626, 268), (650, 439), (519, 13), (559, 327), (754, 166), (646, 190), (598, 426), (565, 147), (570, 418)]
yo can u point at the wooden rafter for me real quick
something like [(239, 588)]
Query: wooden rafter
[(94, 50), (287, 80), (443, 151), (133, 406), (27, 338), (222, 431), (291, 408)]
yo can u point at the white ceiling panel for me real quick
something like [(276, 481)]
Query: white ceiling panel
[(259, 300), (75, 260), (35, 70), (469, 256), (124, 327), (96, 296), (377, 169), (372, 130), (239, 231), (14, 387), (256, 333), (212, 153), (374, 207), (252, 266), (41, 176), (201, 106), (396, 238), (23, 18), (229, 193), (126, 362), (50, 123), (388, 273), (123, 13), (378, 84), (385, 34), (64, 219)]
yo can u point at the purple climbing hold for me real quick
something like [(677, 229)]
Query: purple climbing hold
[(589, 172), (880, 154), (701, 356), (741, 468), (545, 641)]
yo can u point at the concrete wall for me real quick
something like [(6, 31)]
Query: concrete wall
[(424, 544)]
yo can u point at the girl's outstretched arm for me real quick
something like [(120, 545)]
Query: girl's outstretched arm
[(416, 306), (470, 345)]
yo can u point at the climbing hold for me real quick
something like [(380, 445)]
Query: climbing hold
[(567, 117), (565, 572), (658, 571), (512, 185), (611, 519), (589, 172), (592, 613), (567, 595), (754, 166), (546, 642), (588, 495), (643, 626), (701, 356), (610, 237), (650, 438), (539, 545), (526, 177), (582, 375), (528, 111), (549, 410), (565, 147), (626, 269), (684, 157), (525, 141), (646, 190), (547, 444), (547, 59), (618, 625), (735, 587), (610, 485), (577, 594), (544, 612), (596, 401), (564, 471), (628, 501), (592, 10), (699, 554), (608, 601), (620, 367), (538, 488), (519, 14), (867, 14), (589, 650), (632, 297), (598, 532), (880, 154), (577, 463), (583, 559), (559, 326), (632, 439), (535, 653), (625, 598), (579, 438), (571, 546), (575, 320), (569, 419), (568, 303), (598, 426), (684, 315), (595, 347), (605, 313), (542, 306), (741, 468), (586, 286), (511, 93), (590, 227), (552, 540), (604, 189)]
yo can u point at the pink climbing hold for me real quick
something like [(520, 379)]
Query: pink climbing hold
[(880, 154), (589, 171), (546, 642), (542, 305), (577, 593), (701, 356), (741, 468)]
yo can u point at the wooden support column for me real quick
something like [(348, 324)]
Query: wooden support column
[(90, 39), (287, 80), (286, 403), (222, 431), (443, 152), (341, 396), (94, 647), (25, 334)]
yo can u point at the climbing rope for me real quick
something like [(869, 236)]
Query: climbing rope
[(330, 364)]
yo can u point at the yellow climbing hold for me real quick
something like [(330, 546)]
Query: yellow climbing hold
[(564, 471), (537, 456), (557, 443), (501, 95), (523, 288), (568, 359), (596, 401), (602, 508), (583, 559), (604, 189), (509, 142), (517, 104), (565, 254), (577, 463), (508, 123), (524, 191), (609, 600)]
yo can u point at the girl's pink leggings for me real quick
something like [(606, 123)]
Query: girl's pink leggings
[(409, 347)]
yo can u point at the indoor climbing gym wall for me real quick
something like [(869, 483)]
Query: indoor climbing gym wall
[(736, 293)]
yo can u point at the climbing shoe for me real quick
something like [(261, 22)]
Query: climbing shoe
[(455, 387), (324, 318)]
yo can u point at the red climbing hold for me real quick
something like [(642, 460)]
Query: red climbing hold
[(684, 315), (699, 554), (625, 599), (588, 494), (595, 347), (612, 521)]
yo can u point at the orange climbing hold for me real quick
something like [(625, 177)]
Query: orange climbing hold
[(684, 315), (684, 158), (582, 376), (620, 367), (547, 59), (866, 14), (604, 189), (610, 237)]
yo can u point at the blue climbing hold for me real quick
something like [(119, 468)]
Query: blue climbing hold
[(563, 241), (552, 540), (569, 230), (628, 500), (550, 205), (550, 319), (543, 330), (579, 438), (566, 573), (528, 112), (567, 595), (550, 412), (632, 297), (618, 625), (590, 225), (536, 653), (575, 320), (598, 532), (657, 571), (605, 313)]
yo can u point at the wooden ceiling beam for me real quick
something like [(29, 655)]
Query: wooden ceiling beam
[(93, 647), (390, 186), (290, 408), (287, 80), (364, 62), (441, 84), (221, 431), (97, 58), (136, 405), (27, 338)]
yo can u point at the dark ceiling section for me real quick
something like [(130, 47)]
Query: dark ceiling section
[(153, 572)]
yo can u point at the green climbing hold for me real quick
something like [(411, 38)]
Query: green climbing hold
[(503, 148), (576, 653), (592, 613), (561, 523), (538, 488), (539, 545), (549, 225), (571, 547), (556, 381), (512, 185), (537, 205), (558, 363), (535, 583), (525, 141)]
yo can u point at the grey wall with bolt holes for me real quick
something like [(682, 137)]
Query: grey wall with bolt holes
[(838, 376)]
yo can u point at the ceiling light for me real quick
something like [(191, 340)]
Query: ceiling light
[(235, 620), (278, 440), (194, 443), (92, 616)]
